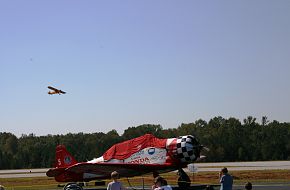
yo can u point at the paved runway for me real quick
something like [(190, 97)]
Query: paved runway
[(238, 166), (23, 173)]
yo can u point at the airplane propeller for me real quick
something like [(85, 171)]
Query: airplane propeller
[(205, 148)]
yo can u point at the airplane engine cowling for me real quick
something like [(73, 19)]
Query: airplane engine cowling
[(184, 148)]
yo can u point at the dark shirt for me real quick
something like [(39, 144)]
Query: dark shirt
[(226, 182)]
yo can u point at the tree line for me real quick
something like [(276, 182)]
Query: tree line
[(228, 140)]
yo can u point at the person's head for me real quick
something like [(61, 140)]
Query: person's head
[(209, 187), (248, 186), (224, 170), (159, 181), (164, 182), (115, 175)]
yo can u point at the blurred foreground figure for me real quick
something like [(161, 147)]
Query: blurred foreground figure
[(161, 184), (248, 186)]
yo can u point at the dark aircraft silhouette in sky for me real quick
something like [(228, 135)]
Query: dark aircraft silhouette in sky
[(55, 91)]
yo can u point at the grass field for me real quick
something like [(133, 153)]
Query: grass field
[(240, 177)]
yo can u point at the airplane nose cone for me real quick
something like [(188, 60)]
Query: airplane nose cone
[(186, 148)]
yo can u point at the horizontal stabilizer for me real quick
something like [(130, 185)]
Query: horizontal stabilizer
[(55, 172)]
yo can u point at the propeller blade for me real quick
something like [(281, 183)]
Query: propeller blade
[(206, 148)]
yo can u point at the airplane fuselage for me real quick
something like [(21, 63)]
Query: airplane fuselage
[(134, 157)]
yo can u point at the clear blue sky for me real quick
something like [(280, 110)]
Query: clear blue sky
[(127, 63)]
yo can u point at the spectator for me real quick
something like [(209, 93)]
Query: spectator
[(155, 175), (161, 184), (226, 180), (115, 184)]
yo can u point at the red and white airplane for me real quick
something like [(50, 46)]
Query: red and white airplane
[(138, 156)]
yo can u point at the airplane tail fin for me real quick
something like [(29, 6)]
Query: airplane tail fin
[(63, 158)]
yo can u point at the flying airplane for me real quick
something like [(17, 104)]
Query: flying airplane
[(55, 91), (138, 156)]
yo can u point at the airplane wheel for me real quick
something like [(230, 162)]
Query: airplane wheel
[(72, 186)]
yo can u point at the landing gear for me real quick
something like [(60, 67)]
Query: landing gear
[(72, 186), (183, 180)]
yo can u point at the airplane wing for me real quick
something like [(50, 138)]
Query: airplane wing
[(51, 88), (55, 172), (104, 170), (56, 90), (101, 167)]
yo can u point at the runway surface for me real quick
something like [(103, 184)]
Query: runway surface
[(238, 166), (232, 166)]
